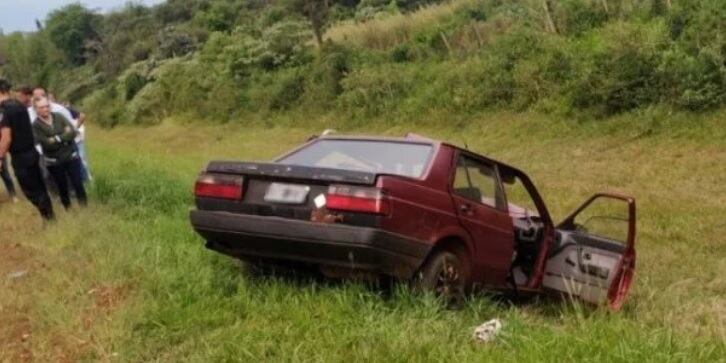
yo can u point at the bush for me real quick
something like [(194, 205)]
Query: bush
[(697, 82), (576, 17), (325, 75), (288, 90), (282, 45), (105, 106), (619, 68), (370, 92), (174, 43)]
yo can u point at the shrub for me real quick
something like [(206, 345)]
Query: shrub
[(370, 92), (105, 106), (577, 16), (288, 90), (324, 76), (695, 83), (619, 68), (174, 43)]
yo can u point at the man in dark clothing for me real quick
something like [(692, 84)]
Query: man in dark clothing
[(56, 135), (24, 95), (16, 137)]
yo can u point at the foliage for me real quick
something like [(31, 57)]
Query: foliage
[(30, 59), (127, 36), (282, 44), (174, 43), (405, 57), (71, 29)]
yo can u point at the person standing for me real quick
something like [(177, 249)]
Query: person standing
[(16, 137), (80, 120), (56, 135), (77, 119)]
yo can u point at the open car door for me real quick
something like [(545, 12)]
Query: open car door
[(593, 256)]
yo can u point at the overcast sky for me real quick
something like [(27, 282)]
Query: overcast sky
[(21, 14)]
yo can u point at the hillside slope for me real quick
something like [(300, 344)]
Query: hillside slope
[(222, 60)]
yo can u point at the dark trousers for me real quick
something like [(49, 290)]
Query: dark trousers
[(63, 172), (5, 176), (27, 171)]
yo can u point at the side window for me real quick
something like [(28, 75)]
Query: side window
[(520, 202), (477, 181)]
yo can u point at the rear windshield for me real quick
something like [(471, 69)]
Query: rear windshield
[(381, 157)]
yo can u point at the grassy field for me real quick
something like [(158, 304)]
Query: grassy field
[(127, 279)]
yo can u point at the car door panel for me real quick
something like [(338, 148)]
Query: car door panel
[(589, 266), (489, 227)]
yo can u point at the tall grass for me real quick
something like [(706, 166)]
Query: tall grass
[(127, 279), (387, 31)]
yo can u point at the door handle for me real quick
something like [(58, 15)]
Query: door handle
[(465, 208)]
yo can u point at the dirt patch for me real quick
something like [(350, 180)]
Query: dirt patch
[(14, 258), (15, 327), (108, 297), (105, 301), (15, 337)]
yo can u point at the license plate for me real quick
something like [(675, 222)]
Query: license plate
[(287, 193)]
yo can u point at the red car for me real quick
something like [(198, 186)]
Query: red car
[(415, 209)]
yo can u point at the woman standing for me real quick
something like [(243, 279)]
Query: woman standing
[(56, 135)]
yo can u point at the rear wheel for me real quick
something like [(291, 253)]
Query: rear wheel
[(447, 275)]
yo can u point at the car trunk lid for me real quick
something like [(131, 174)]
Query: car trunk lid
[(287, 191), (276, 171)]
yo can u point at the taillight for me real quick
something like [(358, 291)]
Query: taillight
[(219, 186), (357, 199)]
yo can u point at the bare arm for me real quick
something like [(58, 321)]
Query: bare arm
[(81, 119), (6, 137)]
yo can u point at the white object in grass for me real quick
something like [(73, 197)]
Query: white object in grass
[(486, 332)]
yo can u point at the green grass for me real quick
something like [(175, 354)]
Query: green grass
[(128, 280)]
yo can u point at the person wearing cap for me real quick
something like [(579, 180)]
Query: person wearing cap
[(16, 138), (56, 135)]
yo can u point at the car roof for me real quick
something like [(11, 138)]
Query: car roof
[(418, 139), (409, 139)]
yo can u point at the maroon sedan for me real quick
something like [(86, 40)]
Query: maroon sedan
[(415, 209)]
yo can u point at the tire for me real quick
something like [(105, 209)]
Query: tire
[(446, 275)]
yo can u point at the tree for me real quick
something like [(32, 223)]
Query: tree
[(70, 28), (174, 42), (549, 19), (127, 35), (316, 11)]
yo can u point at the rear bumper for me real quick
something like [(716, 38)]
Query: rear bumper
[(358, 248)]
